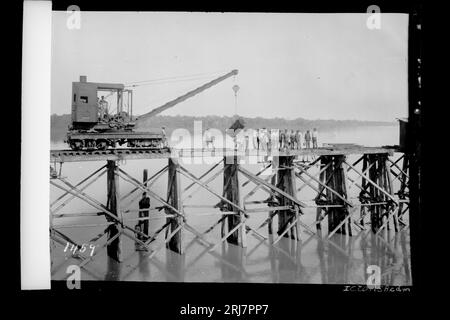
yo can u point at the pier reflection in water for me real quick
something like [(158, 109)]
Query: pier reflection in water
[(315, 259)]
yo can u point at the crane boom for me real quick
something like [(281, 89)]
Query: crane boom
[(186, 96)]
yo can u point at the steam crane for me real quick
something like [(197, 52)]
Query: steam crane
[(94, 127)]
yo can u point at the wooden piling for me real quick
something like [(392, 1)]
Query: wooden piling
[(362, 194), (329, 182), (286, 183), (322, 179), (232, 193), (174, 199), (273, 201), (375, 218), (114, 248), (402, 194), (346, 193), (336, 180), (386, 180), (379, 174)]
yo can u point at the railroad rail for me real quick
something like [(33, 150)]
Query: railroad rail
[(68, 155)]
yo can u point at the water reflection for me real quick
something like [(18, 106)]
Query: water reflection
[(234, 268), (175, 264), (286, 261), (144, 266), (314, 259), (339, 259), (113, 271)]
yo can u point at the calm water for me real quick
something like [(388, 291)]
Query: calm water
[(311, 260)]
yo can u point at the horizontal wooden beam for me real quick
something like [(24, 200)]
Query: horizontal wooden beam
[(67, 155)]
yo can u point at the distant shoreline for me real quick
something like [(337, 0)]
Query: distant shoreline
[(59, 124)]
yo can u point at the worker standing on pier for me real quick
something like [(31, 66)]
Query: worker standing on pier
[(293, 139), (254, 139), (99, 109), (298, 134), (282, 139), (209, 139), (288, 139), (262, 139), (269, 139), (314, 138), (307, 139), (246, 139), (258, 139), (103, 108), (274, 139)]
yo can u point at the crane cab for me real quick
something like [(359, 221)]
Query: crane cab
[(88, 99), (102, 118), (91, 130)]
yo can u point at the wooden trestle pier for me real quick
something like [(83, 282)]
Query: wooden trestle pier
[(379, 204)]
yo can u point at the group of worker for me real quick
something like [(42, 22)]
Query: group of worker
[(270, 139), (279, 139)]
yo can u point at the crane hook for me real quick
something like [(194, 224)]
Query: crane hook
[(235, 89)]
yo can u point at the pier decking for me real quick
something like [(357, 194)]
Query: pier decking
[(67, 155)]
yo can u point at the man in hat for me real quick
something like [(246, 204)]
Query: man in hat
[(308, 139), (103, 108), (314, 138)]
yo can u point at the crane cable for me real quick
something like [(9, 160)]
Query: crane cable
[(165, 82), (190, 77)]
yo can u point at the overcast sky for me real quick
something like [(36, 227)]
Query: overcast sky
[(314, 66)]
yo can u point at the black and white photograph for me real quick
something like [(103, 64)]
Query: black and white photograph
[(230, 147)]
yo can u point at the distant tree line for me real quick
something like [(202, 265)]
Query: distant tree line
[(60, 123)]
